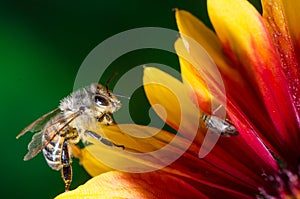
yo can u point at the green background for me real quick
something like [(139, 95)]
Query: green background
[(42, 45)]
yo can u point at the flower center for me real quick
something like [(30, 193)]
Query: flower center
[(286, 184)]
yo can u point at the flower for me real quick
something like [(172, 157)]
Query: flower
[(257, 57)]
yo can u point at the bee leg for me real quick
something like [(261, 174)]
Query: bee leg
[(103, 140), (66, 171)]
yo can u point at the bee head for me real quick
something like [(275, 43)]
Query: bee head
[(105, 103), (94, 99)]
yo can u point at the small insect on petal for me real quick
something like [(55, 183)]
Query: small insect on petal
[(219, 126)]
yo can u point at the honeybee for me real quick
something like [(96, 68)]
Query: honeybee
[(57, 130), (219, 126)]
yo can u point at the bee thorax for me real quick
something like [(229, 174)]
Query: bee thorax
[(76, 101), (84, 122)]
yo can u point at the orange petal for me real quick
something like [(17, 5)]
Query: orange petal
[(275, 17), (292, 14), (125, 185), (247, 42)]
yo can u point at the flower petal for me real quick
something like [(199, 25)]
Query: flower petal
[(175, 108), (187, 165), (235, 22), (292, 15), (190, 26), (196, 64), (224, 157), (201, 68), (194, 82), (145, 149), (125, 185), (207, 74), (275, 17), (243, 108), (92, 165)]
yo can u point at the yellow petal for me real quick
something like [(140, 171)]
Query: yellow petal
[(195, 84), (92, 165), (175, 108), (145, 149), (235, 21), (196, 47), (190, 26), (125, 185)]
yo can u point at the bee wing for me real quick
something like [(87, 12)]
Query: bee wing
[(39, 124), (35, 146)]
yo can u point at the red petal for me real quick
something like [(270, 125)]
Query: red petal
[(275, 17), (238, 162), (195, 65), (247, 41), (134, 185)]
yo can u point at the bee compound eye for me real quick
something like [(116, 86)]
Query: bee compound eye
[(100, 100)]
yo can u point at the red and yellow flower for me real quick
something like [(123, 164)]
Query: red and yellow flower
[(258, 58)]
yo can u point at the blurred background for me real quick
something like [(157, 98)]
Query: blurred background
[(42, 45)]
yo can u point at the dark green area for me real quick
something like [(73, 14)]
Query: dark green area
[(42, 45)]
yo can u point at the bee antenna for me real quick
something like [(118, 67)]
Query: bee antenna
[(108, 81), (218, 108), (106, 86), (123, 96)]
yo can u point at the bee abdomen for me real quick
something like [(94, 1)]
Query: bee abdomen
[(52, 152)]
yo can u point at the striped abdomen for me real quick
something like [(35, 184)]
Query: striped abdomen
[(55, 137), (52, 151)]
